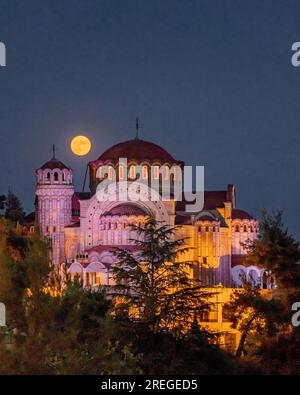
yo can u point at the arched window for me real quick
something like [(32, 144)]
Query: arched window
[(245, 228), (145, 172), (110, 172), (63, 176), (56, 176), (238, 276), (132, 172), (156, 172), (174, 173), (237, 228), (166, 172), (121, 172), (265, 281), (253, 277), (48, 176)]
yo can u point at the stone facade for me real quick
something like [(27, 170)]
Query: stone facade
[(83, 229)]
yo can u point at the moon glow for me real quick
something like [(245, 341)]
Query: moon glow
[(81, 145)]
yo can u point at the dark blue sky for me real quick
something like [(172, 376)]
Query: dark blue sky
[(212, 82)]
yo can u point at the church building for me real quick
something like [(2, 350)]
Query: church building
[(83, 229)]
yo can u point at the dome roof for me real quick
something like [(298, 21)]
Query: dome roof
[(126, 209), (54, 164), (240, 214), (137, 149)]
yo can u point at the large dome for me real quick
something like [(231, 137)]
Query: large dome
[(138, 150)]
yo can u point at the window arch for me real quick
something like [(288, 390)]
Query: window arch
[(55, 176), (238, 276), (145, 172), (100, 172), (156, 172), (110, 172), (265, 280), (253, 277), (166, 173), (121, 172), (132, 172)]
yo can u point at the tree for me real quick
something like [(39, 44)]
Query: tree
[(263, 316), (251, 312), (155, 285), (54, 326), (276, 250), (13, 208), (2, 202), (279, 253)]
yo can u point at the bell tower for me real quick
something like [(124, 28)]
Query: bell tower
[(54, 191)]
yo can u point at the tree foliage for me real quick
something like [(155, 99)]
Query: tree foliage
[(156, 285), (53, 327), (2, 202), (13, 207), (264, 316), (251, 311)]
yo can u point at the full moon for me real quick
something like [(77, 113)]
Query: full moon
[(80, 145)]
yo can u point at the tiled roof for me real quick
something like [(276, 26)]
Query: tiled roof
[(240, 214), (30, 218), (238, 260), (138, 150), (54, 164), (126, 209), (212, 200)]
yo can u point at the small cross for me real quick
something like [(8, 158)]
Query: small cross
[(53, 150)]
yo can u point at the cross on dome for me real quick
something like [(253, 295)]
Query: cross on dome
[(54, 151)]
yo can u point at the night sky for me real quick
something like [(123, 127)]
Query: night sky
[(212, 82)]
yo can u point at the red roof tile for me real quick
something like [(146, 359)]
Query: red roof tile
[(240, 214), (138, 150)]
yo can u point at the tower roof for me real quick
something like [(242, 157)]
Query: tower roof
[(54, 164)]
